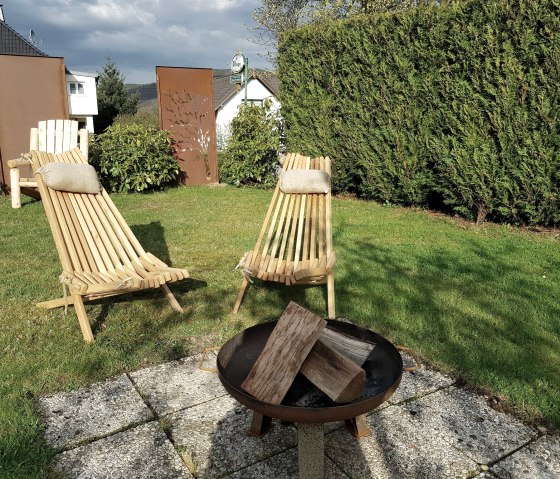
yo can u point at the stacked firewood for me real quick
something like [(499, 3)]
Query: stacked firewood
[(303, 342)]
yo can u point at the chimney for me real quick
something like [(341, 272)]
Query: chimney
[(1, 12)]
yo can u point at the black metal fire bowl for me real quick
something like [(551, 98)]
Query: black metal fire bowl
[(304, 403)]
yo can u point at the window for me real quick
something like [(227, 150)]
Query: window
[(254, 102), (76, 88)]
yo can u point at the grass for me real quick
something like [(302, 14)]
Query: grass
[(481, 302)]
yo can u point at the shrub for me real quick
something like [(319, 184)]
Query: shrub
[(251, 155), (455, 105), (134, 158), (148, 117)]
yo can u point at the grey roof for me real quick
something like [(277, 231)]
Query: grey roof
[(12, 43), (224, 90)]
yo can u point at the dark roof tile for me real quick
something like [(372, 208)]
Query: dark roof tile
[(224, 90), (12, 43)]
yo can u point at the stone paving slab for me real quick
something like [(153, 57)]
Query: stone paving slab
[(97, 411), (140, 453), (177, 385), (415, 384), (466, 421), (214, 435), (284, 466), (397, 448), (540, 459)]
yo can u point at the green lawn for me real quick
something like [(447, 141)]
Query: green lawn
[(481, 302)]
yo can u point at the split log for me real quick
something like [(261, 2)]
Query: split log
[(333, 373), (355, 349), (285, 351)]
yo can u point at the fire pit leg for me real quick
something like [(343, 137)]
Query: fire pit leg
[(260, 425), (357, 426), (311, 451)]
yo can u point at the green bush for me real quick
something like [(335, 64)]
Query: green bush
[(454, 106), (250, 157), (134, 158), (148, 117)]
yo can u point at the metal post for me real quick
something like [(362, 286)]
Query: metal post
[(246, 76)]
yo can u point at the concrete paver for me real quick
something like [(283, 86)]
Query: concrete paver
[(214, 435), (284, 466), (418, 383), (177, 385), (102, 409), (140, 453), (429, 429), (540, 459), (397, 448), (466, 421)]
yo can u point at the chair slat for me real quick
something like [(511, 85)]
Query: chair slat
[(88, 261), (285, 234), (58, 136), (105, 246)]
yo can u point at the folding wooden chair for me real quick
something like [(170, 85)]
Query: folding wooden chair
[(99, 253), (295, 242), (52, 136)]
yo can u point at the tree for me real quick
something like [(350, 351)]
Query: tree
[(275, 17), (112, 97)]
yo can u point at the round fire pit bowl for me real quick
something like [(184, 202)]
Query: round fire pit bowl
[(304, 403)]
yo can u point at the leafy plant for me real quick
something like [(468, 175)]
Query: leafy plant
[(134, 158), (454, 106), (148, 117), (251, 154)]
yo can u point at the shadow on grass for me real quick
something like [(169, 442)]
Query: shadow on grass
[(474, 311)]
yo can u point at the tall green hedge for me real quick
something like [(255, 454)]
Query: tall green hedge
[(456, 106)]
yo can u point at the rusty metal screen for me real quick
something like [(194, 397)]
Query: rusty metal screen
[(31, 89), (186, 108)]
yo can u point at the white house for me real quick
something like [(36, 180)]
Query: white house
[(81, 89), (227, 98)]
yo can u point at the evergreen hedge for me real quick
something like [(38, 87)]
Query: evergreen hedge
[(456, 106)]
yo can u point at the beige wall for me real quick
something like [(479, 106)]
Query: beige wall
[(31, 89)]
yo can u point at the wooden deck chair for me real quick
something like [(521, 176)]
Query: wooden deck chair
[(99, 253), (52, 136), (295, 242)]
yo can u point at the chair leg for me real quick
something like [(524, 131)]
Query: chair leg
[(169, 295), (15, 191), (240, 295), (82, 318), (330, 297)]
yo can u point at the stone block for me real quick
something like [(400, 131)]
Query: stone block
[(469, 423), (539, 459), (140, 453), (284, 466), (415, 384), (213, 436), (73, 418), (399, 448), (177, 385)]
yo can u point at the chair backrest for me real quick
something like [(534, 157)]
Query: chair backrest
[(56, 136), (297, 232), (91, 235)]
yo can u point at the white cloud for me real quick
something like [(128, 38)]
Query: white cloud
[(138, 34)]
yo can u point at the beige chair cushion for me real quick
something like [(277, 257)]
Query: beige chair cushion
[(70, 177), (305, 181)]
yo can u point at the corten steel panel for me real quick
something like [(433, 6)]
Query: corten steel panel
[(186, 108), (31, 89)]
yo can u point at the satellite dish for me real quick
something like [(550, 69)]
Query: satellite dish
[(32, 38)]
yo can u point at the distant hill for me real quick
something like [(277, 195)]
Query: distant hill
[(147, 92)]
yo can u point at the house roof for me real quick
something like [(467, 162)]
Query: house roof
[(12, 43), (224, 90)]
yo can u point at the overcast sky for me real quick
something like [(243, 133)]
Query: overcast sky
[(138, 34)]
